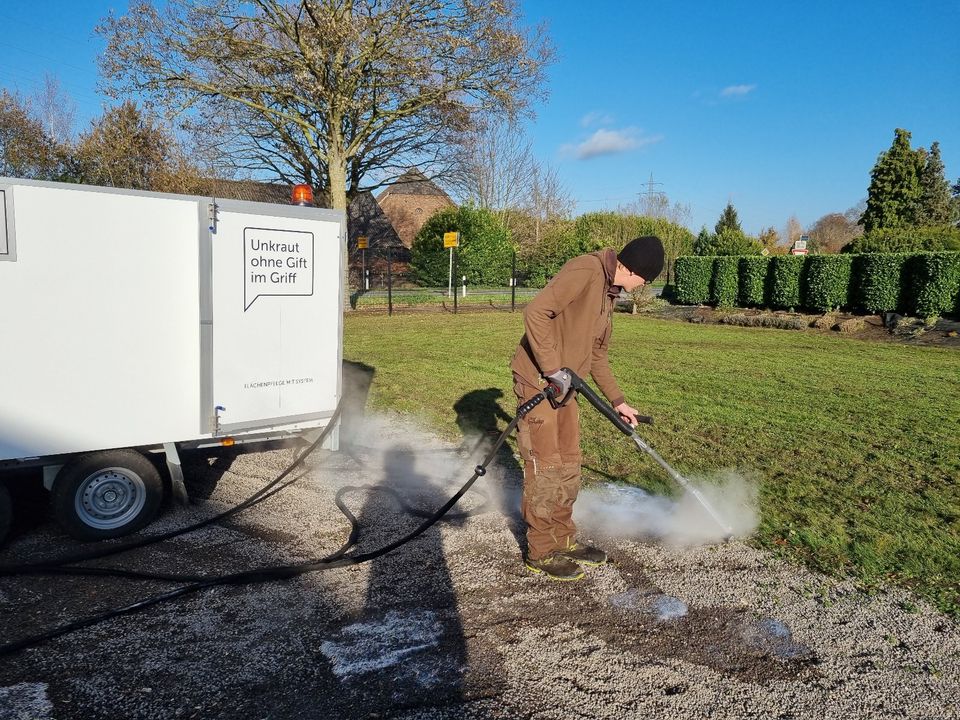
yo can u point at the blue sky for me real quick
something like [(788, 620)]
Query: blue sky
[(781, 108)]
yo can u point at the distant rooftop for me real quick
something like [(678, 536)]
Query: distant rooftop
[(412, 182)]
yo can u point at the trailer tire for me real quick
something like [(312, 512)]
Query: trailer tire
[(106, 494), (6, 512)]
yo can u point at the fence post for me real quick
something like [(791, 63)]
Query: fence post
[(513, 283), (389, 281)]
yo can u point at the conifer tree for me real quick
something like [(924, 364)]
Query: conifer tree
[(728, 220), (703, 242), (894, 197), (956, 202), (936, 207)]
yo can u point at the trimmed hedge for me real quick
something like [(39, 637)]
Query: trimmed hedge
[(753, 280), (693, 274), (725, 283), (828, 282), (922, 284), (785, 280), (935, 284), (877, 284)]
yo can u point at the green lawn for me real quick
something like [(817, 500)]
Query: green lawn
[(857, 444)]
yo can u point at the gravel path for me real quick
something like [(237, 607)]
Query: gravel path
[(452, 625)]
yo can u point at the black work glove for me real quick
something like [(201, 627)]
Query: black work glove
[(561, 380)]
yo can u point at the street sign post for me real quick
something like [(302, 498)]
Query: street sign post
[(451, 240), (362, 245)]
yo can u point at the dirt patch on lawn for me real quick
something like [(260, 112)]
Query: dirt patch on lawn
[(890, 327)]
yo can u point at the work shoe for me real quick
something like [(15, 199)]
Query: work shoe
[(556, 567), (584, 554)]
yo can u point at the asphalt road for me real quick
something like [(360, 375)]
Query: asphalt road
[(452, 625)]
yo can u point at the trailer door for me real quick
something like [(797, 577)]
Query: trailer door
[(274, 331)]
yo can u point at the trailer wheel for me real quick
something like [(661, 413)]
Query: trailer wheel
[(6, 511), (106, 494)]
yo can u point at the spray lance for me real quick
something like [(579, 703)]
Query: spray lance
[(577, 385)]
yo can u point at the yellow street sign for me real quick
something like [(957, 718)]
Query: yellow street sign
[(362, 242), (451, 240)]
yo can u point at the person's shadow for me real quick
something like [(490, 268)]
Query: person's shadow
[(410, 595), (481, 420)]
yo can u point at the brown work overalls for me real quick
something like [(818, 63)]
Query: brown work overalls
[(567, 324)]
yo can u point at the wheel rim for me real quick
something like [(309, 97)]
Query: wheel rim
[(110, 498)]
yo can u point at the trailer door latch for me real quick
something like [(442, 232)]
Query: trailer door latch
[(212, 216), (216, 419)]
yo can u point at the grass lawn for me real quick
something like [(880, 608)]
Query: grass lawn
[(856, 444)]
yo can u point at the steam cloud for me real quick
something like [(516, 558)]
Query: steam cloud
[(617, 511)]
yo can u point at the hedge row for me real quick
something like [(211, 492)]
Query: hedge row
[(922, 284)]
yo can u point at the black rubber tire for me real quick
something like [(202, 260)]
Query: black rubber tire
[(6, 512), (126, 474)]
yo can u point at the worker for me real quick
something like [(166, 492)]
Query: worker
[(568, 325)]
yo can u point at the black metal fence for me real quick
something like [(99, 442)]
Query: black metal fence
[(382, 279)]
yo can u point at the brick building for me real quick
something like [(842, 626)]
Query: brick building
[(409, 203)]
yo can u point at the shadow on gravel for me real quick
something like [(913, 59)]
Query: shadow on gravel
[(406, 648), (29, 498), (479, 417)]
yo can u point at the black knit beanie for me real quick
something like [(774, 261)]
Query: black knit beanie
[(643, 256)]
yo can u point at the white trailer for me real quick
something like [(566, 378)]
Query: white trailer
[(137, 322)]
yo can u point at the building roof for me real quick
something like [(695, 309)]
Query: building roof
[(366, 218), (413, 182)]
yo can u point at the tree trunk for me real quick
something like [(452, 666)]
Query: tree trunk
[(337, 167)]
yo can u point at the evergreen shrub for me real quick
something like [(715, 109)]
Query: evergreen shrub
[(877, 282), (693, 275), (934, 284), (725, 283), (901, 240), (753, 280), (484, 256), (785, 278), (827, 282)]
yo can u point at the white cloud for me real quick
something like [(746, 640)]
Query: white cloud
[(737, 90), (611, 142), (596, 117)]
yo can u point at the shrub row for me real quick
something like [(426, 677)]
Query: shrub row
[(921, 284)]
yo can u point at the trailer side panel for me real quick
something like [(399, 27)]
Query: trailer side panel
[(100, 321)]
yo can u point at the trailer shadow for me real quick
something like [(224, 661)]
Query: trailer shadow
[(30, 500)]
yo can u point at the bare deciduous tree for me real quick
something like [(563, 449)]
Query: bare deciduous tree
[(327, 91), (494, 168), (55, 110), (792, 231), (831, 232)]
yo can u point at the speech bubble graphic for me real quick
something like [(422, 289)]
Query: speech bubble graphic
[(276, 263)]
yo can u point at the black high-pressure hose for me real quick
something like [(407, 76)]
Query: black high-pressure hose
[(51, 565), (340, 558)]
